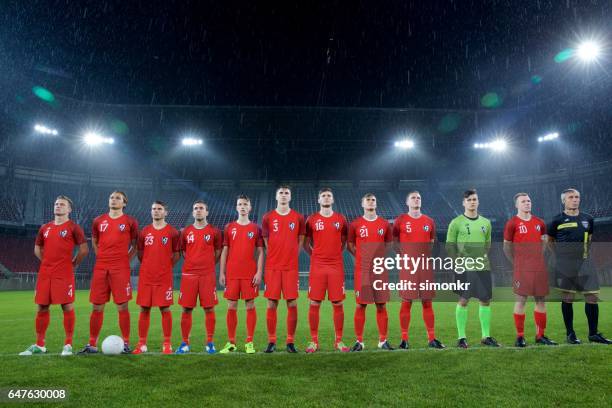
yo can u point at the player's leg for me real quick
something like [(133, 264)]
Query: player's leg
[(567, 310), (382, 322), (208, 300), (210, 321), (166, 318), (232, 323), (124, 325), (591, 308), (41, 325), (271, 320), (144, 321), (483, 289), (539, 316), (188, 297), (461, 317), (99, 295), (186, 324), (336, 295), (519, 320), (251, 322), (404, 317), (292, 318), (359, 324), (317, 287), (430, 322), (69, 321), (313, 322), (96, 319)]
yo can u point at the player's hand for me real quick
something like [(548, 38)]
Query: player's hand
[(222, 279), (257, 279)]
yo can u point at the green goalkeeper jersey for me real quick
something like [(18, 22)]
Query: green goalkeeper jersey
[(470, 238)]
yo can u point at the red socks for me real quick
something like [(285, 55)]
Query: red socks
[(540, 321), (519, 323), (271, 317), (382, 321), (251, 321), (338, 321), (69, 320), (42, 323), (95, 325), (405, 319), (292, 317), (359, 322), (313, 320), (211, 320), (143, 326), (124, 324), (167, 326), (232, 322), (186, 322), (429, 319)]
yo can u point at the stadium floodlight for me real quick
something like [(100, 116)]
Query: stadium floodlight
[(498, 145), (405, 144), (191, 141), (44, 130), (95, 139), (548, 137), (588, 51)]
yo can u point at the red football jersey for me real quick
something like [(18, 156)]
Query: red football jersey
[(241, 241), (198, 246), (58, 242), (328, 234), (365, 235), (114, 236), (414, 234), (157, 247), (282, 232), (527, 239)]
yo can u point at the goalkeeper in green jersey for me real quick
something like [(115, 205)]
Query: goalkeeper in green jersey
[(468, 241)]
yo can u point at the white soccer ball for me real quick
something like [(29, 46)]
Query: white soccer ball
[(112, 345)]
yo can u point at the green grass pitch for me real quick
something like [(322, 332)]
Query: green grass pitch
[(536, 376)]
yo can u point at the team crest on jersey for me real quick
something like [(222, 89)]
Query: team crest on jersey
[(483, 229), (250, 235), (121, 227), (207, 237), (63, 233), (585, 224), (538, 228), (164, 240), (381, 231), (292, 226), (337, 225), (426, 228)]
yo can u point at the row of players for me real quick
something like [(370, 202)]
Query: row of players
[(324, 235)]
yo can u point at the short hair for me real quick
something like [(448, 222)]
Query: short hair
[(469, 192), (204, 203), (283, 187), (412, 192), (243, 197), (367, 195), (568, 190), (125, 199), (162, 204), (517, 195), (325, 190), (65, 198)]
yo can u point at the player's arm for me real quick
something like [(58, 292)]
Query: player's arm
[(508, 239), (81, 254), (259, 252), (350, 242), (222, 264), (451, 240), (175, 257), (301, 231), (133, 243), (133, 251), (38, 252), (307, 245), (509, 251), (94, 244), (551, 230), (351, 247)]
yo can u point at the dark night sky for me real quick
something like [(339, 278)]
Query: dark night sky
[(439, 54)]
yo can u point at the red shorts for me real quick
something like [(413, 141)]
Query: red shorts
[(202, 286), (530, 283), (154, 295), (420, 276), (54, 291), (286, 281), (107, 281), (328, 278), (365, 293), (240, 289)]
